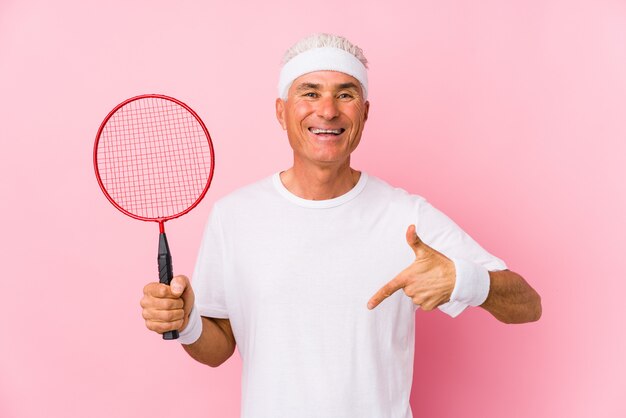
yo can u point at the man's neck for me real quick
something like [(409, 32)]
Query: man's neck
[(320, 183)]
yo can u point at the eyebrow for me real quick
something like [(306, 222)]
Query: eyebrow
[(347, 86), (315, 86), (307, 86)]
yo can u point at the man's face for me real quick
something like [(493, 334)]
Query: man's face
[(324, 116)]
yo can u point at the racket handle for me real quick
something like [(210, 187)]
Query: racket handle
[(166, 273)]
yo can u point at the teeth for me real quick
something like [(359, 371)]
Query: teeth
[(326, 131)]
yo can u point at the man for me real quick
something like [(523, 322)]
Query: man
[(295, 269)]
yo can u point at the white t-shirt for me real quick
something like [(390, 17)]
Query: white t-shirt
[(294, 277)]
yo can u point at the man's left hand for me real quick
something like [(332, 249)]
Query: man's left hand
[(428, 281)]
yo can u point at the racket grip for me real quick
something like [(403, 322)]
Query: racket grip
[(166, 273)]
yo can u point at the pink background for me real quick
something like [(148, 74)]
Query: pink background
[(507, 115)]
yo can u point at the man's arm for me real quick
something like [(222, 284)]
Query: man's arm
[(216, 343), (511, 299), (430, 280), (167, 308)]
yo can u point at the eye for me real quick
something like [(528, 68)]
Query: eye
[(345, 96), (310, 94)]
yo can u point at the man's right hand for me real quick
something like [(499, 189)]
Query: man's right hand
[(166, 308)]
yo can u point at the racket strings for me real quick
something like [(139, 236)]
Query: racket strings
[(154, 158)]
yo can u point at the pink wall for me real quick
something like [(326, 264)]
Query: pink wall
[(507, 115)]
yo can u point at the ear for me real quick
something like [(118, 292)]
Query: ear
[(280, 112), (367, 110)]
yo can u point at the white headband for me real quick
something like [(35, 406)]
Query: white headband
[(321, 59)]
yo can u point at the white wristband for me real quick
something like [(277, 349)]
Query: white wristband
[(193, 330), (472, 283), (471, 287)]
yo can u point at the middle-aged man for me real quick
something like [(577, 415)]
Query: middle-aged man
[(302, 270)]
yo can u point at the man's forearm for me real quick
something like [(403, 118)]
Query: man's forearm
[(216, 343), (511, 299)]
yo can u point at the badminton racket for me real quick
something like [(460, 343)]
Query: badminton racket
[(154, 161)]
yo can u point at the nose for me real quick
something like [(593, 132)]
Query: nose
[(327, 108)]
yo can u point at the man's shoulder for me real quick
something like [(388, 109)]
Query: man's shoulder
[(252, 193), (382, 189)]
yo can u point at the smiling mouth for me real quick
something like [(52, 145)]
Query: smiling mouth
[(334, 132)]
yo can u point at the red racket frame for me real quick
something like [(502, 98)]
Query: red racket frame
[(162, 220)]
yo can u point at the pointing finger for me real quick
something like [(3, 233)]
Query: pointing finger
[(386, 291)]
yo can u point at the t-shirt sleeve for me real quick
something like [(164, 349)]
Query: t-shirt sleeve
[(208, 276), (441, 233)]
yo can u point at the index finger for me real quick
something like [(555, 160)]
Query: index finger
[(159, 290), (387, 290)]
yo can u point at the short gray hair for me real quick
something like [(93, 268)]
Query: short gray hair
[(321, 40)]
